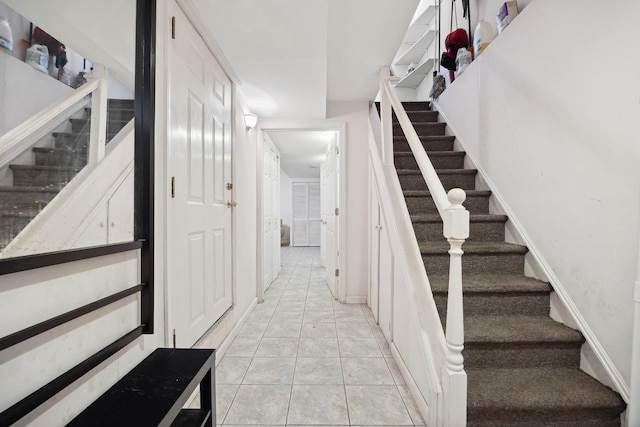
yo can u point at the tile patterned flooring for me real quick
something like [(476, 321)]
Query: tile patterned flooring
[(302, 358)]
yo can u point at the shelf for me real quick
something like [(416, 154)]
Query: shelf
[(417, 50), (414, 78), (425, 17), (419, 37)]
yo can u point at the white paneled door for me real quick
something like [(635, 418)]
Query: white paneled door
[(199, 169)]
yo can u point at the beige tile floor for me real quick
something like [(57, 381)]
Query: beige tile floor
[(302, 359)]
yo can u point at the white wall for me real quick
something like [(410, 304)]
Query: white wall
[(24, 91), (356, 116), (557, 137), (285, 204)]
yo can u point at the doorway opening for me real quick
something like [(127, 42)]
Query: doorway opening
[(299, 202)]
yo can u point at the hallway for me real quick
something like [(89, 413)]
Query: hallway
[(304, 359)]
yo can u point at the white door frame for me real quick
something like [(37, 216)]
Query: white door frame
[(305, 125), (262, 241)]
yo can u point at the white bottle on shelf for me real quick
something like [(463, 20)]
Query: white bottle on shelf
[(482, 36), (6, 37)]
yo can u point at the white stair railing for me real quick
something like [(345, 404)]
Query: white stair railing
[(455, 220), (25, 135)]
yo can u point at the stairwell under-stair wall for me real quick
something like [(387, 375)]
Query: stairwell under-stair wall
[(559, 151)]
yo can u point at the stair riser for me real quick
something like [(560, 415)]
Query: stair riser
[(10, 228), (127, 104), (452, 161), (508, 355), (420, 116), (30, 198), (39, 178), (120, 115), (73, 142), (478, 231), (476, 263), (426, 205), (84, 126), (439, 144), (416, 182), (579, 417), (61, 159), (416, 106), (422, 129), (490, 304)]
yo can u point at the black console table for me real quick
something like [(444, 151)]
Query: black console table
[(154, 392)]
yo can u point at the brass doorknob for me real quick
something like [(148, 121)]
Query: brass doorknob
[(232, 203)]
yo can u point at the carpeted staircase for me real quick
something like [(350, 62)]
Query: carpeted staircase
[(35, 185), (522, 367)]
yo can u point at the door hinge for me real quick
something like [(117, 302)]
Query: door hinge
[(337, 272), (173, 27), (174, 338), (337, 211), (229, 186), (173, 187), (337, 150)]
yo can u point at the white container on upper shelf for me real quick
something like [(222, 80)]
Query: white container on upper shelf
[(38, 57), (6, 37)]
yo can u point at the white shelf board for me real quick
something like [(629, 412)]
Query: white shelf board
[(414, 78), (417, 50), (419, 26), (425, 17)]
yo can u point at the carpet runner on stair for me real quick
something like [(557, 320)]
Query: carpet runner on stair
[(35, 185), (522, 367)]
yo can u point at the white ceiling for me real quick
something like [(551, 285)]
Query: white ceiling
[(292, 56), (302, 152)]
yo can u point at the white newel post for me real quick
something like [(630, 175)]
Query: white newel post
[(386, 120), (454, 378), (98, 131)]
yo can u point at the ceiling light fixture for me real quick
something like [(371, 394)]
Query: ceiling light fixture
[(250, 120)]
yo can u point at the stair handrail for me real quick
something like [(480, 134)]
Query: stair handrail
[(22, 137), (455, 220)]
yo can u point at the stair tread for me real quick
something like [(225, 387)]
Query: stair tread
[(54, 150), (517, 329), (45, 168), (545, 389), (20, 214), (29, 189), (427, 193), (426, 137), (472, 217), (490, 283), (439, 171), (439, 248), (76, 134), (431, 153)]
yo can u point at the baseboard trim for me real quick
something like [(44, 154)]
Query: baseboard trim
[(547, 271), (220, 352), (421, 403), (356, 300)]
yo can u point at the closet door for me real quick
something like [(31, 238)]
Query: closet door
[(306, 214)]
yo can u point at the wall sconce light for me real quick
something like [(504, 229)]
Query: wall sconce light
[(250, 121)]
